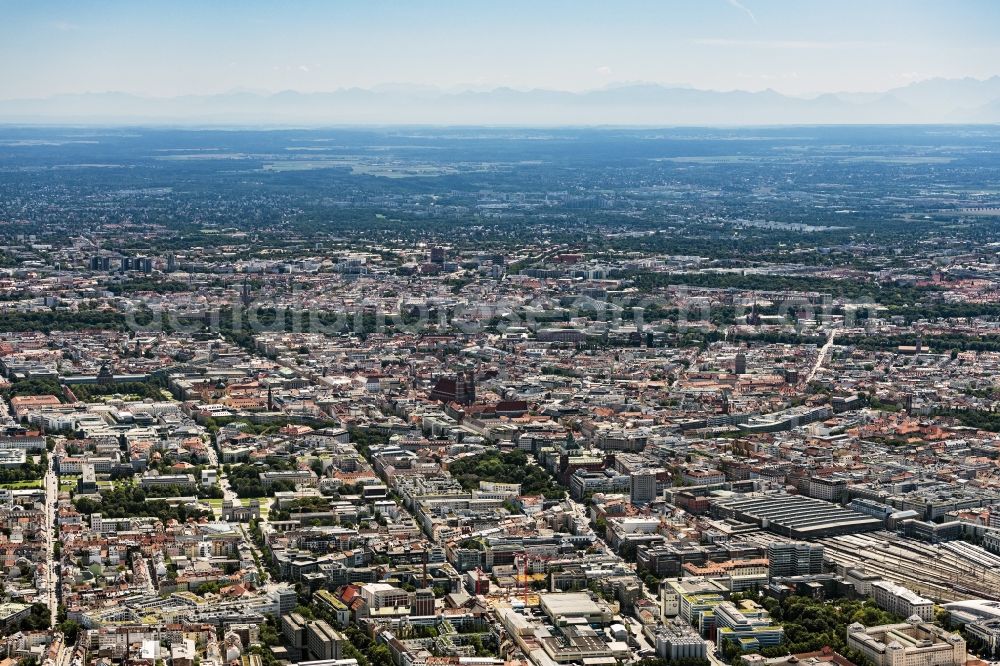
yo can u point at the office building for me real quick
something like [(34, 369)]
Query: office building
[(794, 558), (323, 641), (643, 486), (900, 601), (383, 595), (748, 625), (912, 643)]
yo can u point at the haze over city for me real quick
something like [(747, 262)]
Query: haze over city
[(428, 52)]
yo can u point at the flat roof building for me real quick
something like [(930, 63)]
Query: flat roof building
[(562, 607)]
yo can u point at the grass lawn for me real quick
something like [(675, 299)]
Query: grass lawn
[(215, 505), (67, 482), (129, 397), (21, 485)]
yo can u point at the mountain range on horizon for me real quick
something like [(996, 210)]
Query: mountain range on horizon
[(931, 101)]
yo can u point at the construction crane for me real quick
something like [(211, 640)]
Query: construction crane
[(521, 562), (524, 564)]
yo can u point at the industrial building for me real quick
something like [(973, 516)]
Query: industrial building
[(677, 640), (795, 516), (564, 607)]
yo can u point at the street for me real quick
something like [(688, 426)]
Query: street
[(821, 358), (51, 572)]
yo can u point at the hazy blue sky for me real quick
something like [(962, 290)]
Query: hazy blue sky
[(205, 46)]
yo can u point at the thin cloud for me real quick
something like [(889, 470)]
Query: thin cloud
[(65, 26), (780, 44), (743, 8), (603, 70)]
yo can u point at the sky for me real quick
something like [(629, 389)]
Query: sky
[(181, 47)]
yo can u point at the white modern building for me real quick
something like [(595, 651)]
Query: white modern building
[(900, 601)]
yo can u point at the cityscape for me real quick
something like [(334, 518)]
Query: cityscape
[(503, 394)]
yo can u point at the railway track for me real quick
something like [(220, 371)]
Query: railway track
[(946, 572)]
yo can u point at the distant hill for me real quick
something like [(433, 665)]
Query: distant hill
[(931, 101)]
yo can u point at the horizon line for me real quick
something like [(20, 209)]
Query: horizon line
[(459, 89)]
